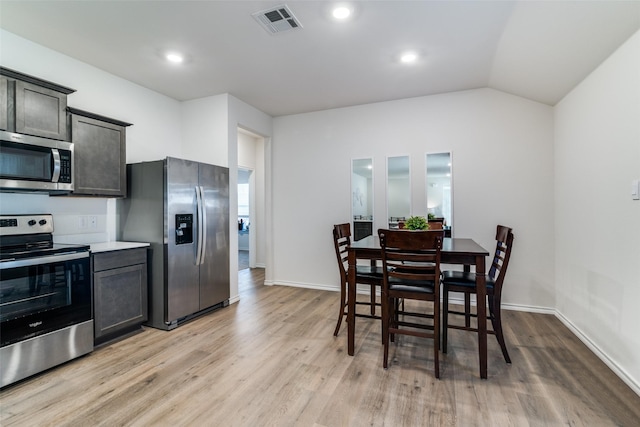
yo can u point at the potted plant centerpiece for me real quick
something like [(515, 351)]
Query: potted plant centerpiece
[(416, 223)]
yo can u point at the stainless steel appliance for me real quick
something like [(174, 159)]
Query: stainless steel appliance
[(31, 163), (181, 208), (46, 315)]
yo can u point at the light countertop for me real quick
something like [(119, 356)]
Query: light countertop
[(116, 246)]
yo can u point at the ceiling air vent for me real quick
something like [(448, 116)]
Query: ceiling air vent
[(277, 19)]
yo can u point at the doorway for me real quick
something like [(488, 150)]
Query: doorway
[(244, 218), (251, 200)]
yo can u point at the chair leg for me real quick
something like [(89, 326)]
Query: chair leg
[(343, 304), (436, 336), (445, 317), (496, 321), (393, 316), (467, 309), (373, 300), (385, 329)]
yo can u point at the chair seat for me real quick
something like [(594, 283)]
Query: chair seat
[(368, 271), (464, 279), (396, 284)]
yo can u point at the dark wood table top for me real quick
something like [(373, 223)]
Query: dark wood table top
[(458, 246)]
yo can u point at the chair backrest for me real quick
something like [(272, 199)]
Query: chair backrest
[(341, 241), (435, 225), (411, 256), (504, 244)]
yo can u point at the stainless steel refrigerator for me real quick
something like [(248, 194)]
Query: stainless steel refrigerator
[(181, 208)]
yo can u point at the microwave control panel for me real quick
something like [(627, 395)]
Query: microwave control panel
[(65, 166)]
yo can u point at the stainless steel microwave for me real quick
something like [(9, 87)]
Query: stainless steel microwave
[(30, 163)]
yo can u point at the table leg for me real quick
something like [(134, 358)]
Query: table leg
[(481, 304), (351, 302)]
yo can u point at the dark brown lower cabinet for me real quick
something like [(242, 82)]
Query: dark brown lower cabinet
[(120, 292)]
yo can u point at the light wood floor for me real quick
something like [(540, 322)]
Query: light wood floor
[(271, 360)]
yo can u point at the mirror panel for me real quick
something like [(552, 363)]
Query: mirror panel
[(439, 188), (398, 190), (362, 197)]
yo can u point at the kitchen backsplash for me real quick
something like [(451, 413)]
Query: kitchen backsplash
[(75, 220)]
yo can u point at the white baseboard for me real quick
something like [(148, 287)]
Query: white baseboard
[(306, 286), (234, 299), (621, 373)]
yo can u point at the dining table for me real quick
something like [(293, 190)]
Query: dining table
[(461, 251)]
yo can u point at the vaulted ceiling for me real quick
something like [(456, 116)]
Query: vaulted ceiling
[(539, 50)]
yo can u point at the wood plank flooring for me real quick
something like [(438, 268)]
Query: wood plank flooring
[(271, 360)]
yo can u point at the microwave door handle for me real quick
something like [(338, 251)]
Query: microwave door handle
[(56, 165), (199, 224), (203, 209)]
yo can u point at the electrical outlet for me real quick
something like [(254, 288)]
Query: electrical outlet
[(93, 221), (82, 222)]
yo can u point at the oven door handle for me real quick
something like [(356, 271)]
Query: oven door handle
[(49, 259)]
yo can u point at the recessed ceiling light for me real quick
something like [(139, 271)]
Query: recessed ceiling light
[(174, 57), (408, 57), (341, 12)]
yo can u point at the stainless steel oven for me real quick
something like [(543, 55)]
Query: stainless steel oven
[(30, 163), (46, 315)]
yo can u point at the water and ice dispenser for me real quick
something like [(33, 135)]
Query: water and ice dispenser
[(184, 229)]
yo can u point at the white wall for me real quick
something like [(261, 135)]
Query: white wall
[(597, 155), (155, 132), (503, 174), (204, 130), (210, 134)]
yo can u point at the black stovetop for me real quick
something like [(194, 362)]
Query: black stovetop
[(13, 252), (30, 236)]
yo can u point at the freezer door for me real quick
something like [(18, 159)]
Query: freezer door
[(214, 270), (182, 287)]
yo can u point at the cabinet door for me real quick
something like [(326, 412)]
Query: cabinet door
[(120, 299), (40, 111), (100, 157), (4, 103)]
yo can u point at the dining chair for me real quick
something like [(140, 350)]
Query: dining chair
[(465, 282), (365, 274), (411, 271)]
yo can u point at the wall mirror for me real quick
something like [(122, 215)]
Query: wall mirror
[(439, 189), (398, 190), (362, 197)]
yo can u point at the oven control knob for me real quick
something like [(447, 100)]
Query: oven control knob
[(42, 222), (32, 222)]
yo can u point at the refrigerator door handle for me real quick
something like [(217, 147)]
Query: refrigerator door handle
[(203, 209), (200, 223)]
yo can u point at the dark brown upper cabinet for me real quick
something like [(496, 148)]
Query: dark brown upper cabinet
[(100, 154), (33, 106)]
